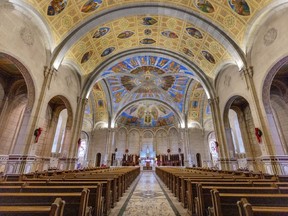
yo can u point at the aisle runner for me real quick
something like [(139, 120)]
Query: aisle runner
[(148, 199)]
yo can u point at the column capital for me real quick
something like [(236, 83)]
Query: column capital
[(247, 71), (48, 74), (212, 101), (49, 71)]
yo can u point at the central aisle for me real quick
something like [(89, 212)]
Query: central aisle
[(148, 198)]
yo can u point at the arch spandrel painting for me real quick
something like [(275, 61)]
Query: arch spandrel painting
[(145, 77), (147, 114)]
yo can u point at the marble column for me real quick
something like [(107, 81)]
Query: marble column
[(220, 134)]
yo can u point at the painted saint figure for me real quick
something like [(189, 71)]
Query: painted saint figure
[(240, 7), (56, 7), (91, 5)]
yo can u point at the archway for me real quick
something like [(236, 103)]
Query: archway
[(17, 95), (240, 134), (275, 100)]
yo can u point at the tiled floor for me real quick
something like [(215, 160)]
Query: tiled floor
[(148, 196)]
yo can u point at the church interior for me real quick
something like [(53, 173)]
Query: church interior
[(154, 92)]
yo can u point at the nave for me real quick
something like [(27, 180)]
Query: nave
[(128, 191), (149, 196)]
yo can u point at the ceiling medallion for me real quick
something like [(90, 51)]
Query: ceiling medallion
[(147, 31)]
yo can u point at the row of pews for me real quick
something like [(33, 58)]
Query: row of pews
[(226, 193), (69, 193)]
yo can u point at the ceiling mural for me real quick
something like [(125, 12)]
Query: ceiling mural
[(146, 114), (100, 106), (199, 108), (149, 77), (131, 32), (141, 77), (231, 15)]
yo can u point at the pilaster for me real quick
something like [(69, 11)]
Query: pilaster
[(266, 145)]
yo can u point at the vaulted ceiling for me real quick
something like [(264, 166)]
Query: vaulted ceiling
[(149, 50)]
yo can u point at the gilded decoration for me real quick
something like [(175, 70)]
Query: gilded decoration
[(111, 38)]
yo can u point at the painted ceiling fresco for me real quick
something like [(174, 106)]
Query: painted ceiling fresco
[(199, 108), (147, 77), (231, 15), (96, 108), (147, 114), (145, 31)]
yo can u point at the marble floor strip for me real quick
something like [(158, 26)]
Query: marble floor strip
[(149, 197)]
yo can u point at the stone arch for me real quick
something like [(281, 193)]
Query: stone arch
[(134, 140), (243, 126), (162, 144), (268, 83), (274, 90), (57, 105), (27, 77), (19, 90)]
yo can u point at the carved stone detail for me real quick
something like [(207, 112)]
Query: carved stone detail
[(270, 36), (27, 36), (227, 80)]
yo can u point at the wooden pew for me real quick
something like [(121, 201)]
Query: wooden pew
[(205, 200), (225, 204), (56, 209), (94, 201), (76, 203), (246, 209)]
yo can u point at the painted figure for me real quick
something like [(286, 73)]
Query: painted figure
[(56, 7), (194, 32), (240, 7), (204, 6), (107, 51), (86, 56), (169, 34), (149, 21), (147, 41), (208, 56), (91, 5), (125, 34), (101, 32)]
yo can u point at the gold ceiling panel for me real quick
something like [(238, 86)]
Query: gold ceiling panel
[(167, 33), (73, 12), (101, 113)]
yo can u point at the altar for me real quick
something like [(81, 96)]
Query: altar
[(147, 165)]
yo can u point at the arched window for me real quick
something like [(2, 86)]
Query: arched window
[(60, 132)]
